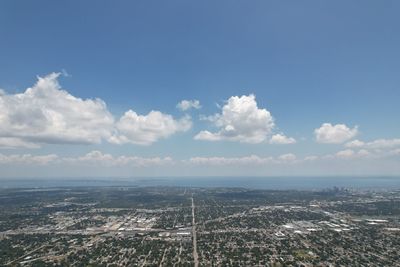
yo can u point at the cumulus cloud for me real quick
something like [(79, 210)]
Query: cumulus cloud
[(28, 159), (220, 161), (281, 139), (48, 114), (45, 113), (147, 129), (351, 154), (12, 142), (240, 120), (246, 160), (376, 144), (334, 134), (354, 144), (285, 158), (97, 158), (94, 159), (380, 148), (310, 158), (345, 153), (188, 104)]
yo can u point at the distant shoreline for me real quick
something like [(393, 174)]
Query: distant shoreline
[(301, 183)]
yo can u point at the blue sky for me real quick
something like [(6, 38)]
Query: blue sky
[(307, 63)]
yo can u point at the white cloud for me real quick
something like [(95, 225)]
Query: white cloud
[(207, 136), (379, 148), (27, 159), (351, 154), (147, 129), (348, 153), (220, 161), (241, 120), (94, 159), (363, 153), (376, 144), (355, 144), (311, 158), (47, 114), (12, 142), (334, 134), (281, 139), (188, 104), (97, 158), (286, 158), (246, 160)]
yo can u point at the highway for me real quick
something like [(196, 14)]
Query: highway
[(195, 254)]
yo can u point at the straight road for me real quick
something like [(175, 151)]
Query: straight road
[(195, 254)]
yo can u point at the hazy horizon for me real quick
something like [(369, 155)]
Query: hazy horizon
[(265, 183)]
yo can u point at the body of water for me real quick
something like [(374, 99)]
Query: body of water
[(301, 183)]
